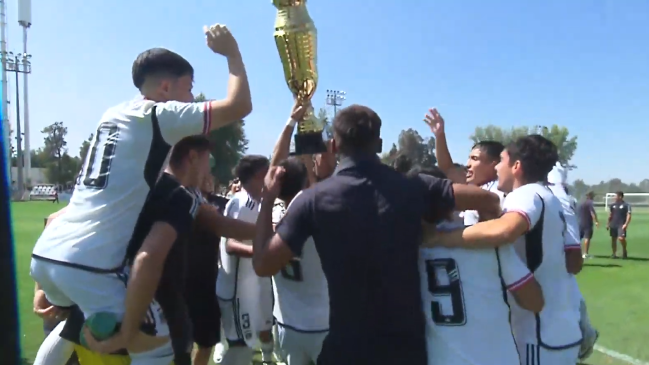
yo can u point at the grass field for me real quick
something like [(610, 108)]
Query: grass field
[(613, 289)]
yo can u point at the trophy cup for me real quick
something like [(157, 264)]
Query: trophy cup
[(296, 38)]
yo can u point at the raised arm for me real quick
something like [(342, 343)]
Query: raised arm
[(436, 124), (283, 144)]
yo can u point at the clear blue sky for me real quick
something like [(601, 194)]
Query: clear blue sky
[(582, 64)]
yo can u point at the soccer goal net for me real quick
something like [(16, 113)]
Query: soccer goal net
[(635, 199)]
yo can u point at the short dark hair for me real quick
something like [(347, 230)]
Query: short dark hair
[(492, 149), (433, 171), (402, 164), (620, 194), (159, 61), (295, 178), (249, 166), (537, 154), (358, 129), (181, 150), (590, 194)]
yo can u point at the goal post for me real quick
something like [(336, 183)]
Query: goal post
[(635, 199)]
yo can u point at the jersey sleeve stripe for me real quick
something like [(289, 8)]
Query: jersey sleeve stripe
[(207, 117), (520, 282), (524, 215), (572, 247)]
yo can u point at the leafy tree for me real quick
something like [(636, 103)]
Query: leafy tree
[(66, 173), (323, 118), (85, 146), (559, 135), (229, 144), (388, 157), (55, 148), (420, 151)]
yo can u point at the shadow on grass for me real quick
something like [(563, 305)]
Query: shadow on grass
[(643, 259), (602, 265)]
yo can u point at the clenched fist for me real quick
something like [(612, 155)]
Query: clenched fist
[(220, 40)]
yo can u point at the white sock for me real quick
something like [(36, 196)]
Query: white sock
[(237, 355), (584, 319), (54, 350)]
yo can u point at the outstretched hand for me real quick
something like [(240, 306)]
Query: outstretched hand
[(108, 346), (434, 121), (299, 110), (220, 40)]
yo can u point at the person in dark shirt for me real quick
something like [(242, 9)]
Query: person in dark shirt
[(618, 222), (365, 221), (200, 281), (587, 216), (157, 258)]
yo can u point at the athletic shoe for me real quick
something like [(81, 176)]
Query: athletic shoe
[(587, 345), (219, 350)]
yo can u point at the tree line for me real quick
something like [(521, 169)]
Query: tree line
[(229, 144)]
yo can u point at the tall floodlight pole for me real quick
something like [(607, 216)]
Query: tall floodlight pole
[(336, 98), (25, 21), (18, 64), (5, 112)]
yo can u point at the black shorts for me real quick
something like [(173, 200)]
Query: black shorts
[(617, 232), (200, 293), (586, 232)]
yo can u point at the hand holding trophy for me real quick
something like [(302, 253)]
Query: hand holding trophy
[(220, 40), (296, 40)]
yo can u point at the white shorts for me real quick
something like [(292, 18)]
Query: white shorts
[(250, 312), (92, 292), (532, 354), (300, 348)]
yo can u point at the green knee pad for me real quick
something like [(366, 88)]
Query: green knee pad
[(102, 325)]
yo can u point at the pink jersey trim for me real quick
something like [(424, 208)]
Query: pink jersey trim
[(524, 215), (520, 282), (572, 247)]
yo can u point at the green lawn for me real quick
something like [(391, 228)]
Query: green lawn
[(613, 288)]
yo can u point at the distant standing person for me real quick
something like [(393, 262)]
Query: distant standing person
[(618, 222), (587, 216)]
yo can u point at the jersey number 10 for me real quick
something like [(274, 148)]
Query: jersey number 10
[(452, 291), (94, 174)]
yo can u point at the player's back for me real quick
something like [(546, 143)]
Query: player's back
[(542, 248), (301, 292), (467, 307), (124, 161), (243, 207)]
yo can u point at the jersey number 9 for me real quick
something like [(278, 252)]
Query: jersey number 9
[(94, 174), (451, 290)]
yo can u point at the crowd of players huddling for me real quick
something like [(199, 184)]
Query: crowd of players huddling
[(334, 258)]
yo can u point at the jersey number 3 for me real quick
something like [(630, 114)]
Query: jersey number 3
[(94, 174), (451, 289)]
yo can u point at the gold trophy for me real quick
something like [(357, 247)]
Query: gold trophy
[(296, 39)]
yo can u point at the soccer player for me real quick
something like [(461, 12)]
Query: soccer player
[(244, 298), (587, 216), (534, 220), (77, 257), (200, 281), (618, 222), (481, 166), (458, 284), (557, 182), (301, 306), (365, 221), (156, 256)]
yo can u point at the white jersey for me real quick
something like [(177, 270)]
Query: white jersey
[(126, 157), (569, 206), (542, 249), (472, 217), (243, 207), (466, 303), (301, 291)]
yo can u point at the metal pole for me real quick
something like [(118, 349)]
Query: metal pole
[(19, 147), (28, 151), (5, 96)]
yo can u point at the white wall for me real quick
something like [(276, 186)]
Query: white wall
[(36, 175)]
